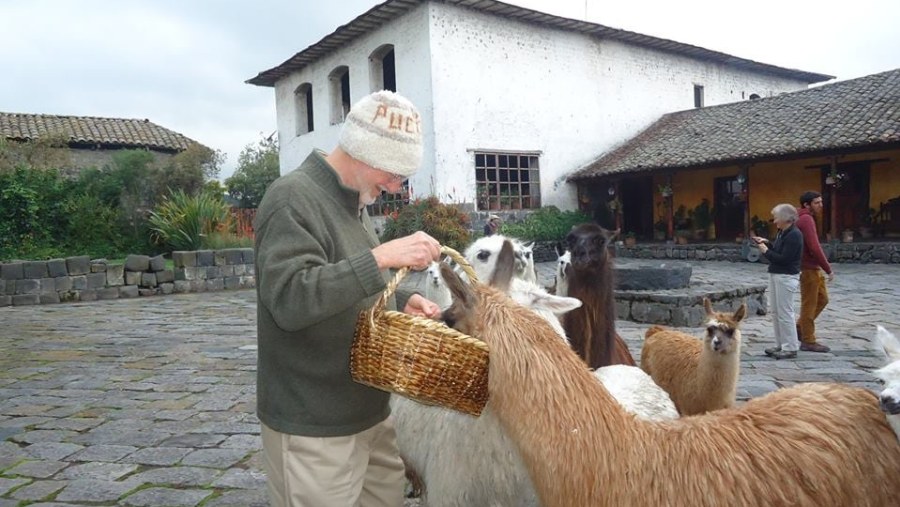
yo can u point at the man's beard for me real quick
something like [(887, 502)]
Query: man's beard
[(367, 199)]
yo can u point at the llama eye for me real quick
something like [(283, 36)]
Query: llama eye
[(483, 255)]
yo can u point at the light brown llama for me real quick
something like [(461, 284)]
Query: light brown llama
[(699, 375), (592, 328), (808, 445)]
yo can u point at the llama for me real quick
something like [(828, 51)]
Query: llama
[(435, 289), (592, 328), (563, 268), (699, 375), (890, 375), (809, 445), (482, 256), (462, 460)]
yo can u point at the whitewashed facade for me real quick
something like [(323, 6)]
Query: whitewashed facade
[(492, 83)]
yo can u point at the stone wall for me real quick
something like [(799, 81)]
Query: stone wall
[(856, 252), (82, 279)]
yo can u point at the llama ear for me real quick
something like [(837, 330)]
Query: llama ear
[(458, 289), (740, 313), (503, 272), (558, 305), (889, 343), (707, 305)]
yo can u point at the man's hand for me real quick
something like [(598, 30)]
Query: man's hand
[(418, 305), (831, 277), (415, 251)]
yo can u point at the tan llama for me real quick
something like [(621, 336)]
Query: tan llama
[(699, 375), (808, 445)]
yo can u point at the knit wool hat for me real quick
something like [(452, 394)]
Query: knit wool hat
[(384, 130)]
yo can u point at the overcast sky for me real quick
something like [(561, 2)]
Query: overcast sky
[(182, 63)]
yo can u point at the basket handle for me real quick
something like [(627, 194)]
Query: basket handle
[(401, 273)]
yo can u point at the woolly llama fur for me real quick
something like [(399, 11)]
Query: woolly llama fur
[(699, 375), (808, 445), (890, 375)]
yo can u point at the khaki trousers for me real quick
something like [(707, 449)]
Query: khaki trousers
[(782, 289), (358, 470), (813, 299)]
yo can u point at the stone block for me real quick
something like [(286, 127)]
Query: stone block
[(98, 267), (167, 288), (165, 276), (28, 286), (239, 269), (108, 293), (251, 269), (233, 256), (5, 300), (96, 280), (198, 285), (147, 292), (36, 269), (80, 265), (51, 298), (157, 263), (62, 283), (182, 286), (227, 270), (219, 257), (248, 255), (184, 259), (128, 291), (232, 282), (26, 299), (12, 271), (137, 263), (115, 275), (205, 258), (133, 277), (248, 282), (79, 282), (48, 285), (69, 296), (148, 280), (213, 272), (623, 310), (215, 284), (57, 268), (88, 295)]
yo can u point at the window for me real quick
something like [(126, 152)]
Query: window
[(339, 80), (303, 101), (698, 96), (382, 74), (507, 181), (390, 203), (754, 96)]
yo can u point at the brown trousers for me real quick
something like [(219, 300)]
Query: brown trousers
[(813, 299)]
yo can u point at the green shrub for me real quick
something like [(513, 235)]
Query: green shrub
[(224, 239), (93, 228), (546, 224), (444, 222), (32, 218), (182, 221)]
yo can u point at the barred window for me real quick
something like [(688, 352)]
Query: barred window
[(389, 203), (507, 181)]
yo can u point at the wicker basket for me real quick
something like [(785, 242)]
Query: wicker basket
[(420, 358)]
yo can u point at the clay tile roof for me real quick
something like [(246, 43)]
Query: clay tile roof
[(88, 130), (861, 113)]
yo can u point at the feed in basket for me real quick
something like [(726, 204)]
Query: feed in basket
[(420, 358)]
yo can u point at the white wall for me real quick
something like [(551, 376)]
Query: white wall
[(506, 85), (484, 82)]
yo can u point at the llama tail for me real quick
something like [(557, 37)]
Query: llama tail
[(653, 330)]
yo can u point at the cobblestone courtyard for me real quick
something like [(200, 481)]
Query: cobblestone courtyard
[(150, 401)]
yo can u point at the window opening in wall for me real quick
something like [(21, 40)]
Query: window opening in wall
[(698, 96), (303, 99), (507, 181), (340, 93), (754, 96), (390, 204), (382, 71)]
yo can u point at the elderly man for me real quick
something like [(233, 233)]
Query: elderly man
[(328, 440)]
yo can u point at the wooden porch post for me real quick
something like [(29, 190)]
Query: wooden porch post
[(670, 217), (834, 234), (745, 189), (619, 209)]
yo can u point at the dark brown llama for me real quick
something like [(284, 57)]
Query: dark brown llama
[(592, 328)]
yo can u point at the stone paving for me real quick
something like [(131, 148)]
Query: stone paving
[(150, 401)]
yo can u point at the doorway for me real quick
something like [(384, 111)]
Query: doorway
[(728, 201)]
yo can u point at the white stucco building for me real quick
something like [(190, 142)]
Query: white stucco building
[(512, 100)]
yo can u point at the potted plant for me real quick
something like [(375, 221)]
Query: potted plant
[(665, 190), (759, 226), (867, 219), (702, 219), (681, 236), (630, 238), (659, 230), (847, 236)]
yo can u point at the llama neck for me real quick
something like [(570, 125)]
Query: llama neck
[(592, 327), (719, 370)]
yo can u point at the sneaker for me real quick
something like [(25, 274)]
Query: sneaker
[(785, 354), (814, 347), (771, 351)]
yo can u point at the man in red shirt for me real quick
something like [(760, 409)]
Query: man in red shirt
[(813, 293)]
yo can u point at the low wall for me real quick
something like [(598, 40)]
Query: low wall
[(855, 252), (82, 279)]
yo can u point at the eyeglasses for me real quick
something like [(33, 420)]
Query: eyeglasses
[(397, 178)]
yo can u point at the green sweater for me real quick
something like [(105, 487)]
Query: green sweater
[(314, 273)]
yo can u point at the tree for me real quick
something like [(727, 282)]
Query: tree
[(257, 169)]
